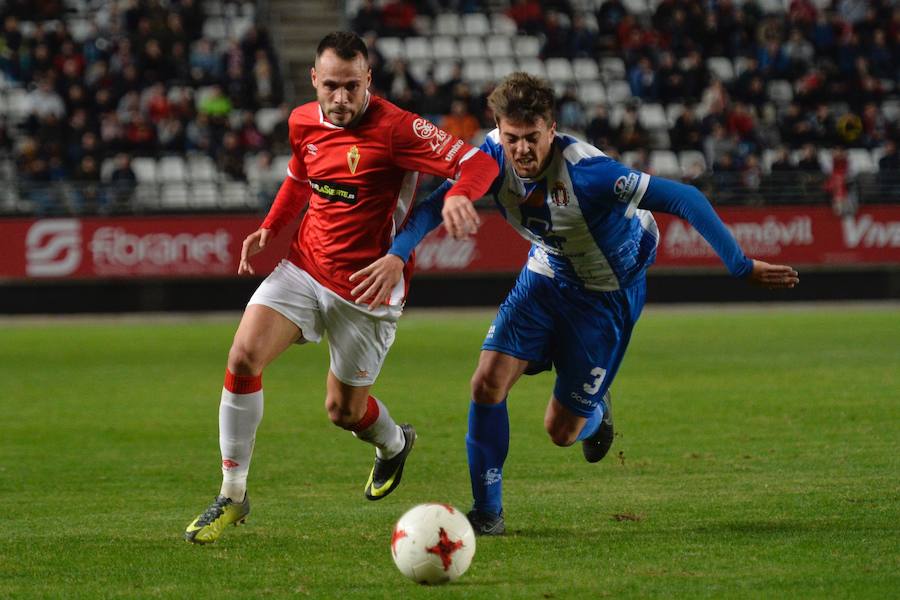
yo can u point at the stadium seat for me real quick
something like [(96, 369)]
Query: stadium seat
[(17, 104), (592, 92), (443, 70), (722, 68), (689, 158), (527, 46), (861, 161), (174, 196), (80, 29), (629, 158), (444, 48), (891, 110), (238, 27), (476, 24), (653, 116), (201, 168), (472, 47), (768, 157), (390, 47), (533, 66), (740, 65), (673, 111), (499, 46), (585, 69), (204, 194), (280, 165), (171, 168), (665, 163), (215, 29), (559, 70), (144, 169), (503, 25), (447, 24), (773, 7), (612, 67), (421, 69), (503, 67), (418, 48), (267, 118), (618, 91), (477, 71), (780, 91), (234, 194), (637, 7)]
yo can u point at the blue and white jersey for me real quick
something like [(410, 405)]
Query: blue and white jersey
[(581, 215), (587, 216)]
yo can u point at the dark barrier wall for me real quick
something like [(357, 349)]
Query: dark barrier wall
[(426, 291)]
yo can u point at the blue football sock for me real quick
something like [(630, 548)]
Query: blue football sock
[(487, 443), (592, 424)]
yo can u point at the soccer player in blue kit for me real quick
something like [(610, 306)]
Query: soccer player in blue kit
[(577, 299)]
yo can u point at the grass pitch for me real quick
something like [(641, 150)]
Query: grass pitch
[(758, 455)]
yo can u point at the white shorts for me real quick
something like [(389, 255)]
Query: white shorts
[(358, 339)]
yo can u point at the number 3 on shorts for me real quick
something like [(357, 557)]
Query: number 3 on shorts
[(599, 375)]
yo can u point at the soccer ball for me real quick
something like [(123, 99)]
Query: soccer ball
[(433, 543)]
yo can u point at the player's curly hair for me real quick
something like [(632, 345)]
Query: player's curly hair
[(345, 44), (523, 98)]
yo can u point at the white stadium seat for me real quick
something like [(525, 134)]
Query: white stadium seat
[(503, 67), (586, 69), (533, 66), (499, 46), (665, 163), (527, 46), (390, 47), (174, 195), (476, 24), (503, 25), (618, 91), (689, 158), (592, 93), (144, 169), (477, 71), (444, 48), (171, 168), (653, 116), (447, 24), (721, 66), (861, 161), (417, 48), (472, 47), (559, 70)]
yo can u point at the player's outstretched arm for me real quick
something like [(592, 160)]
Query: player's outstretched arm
[(774, 277), (253, 244)]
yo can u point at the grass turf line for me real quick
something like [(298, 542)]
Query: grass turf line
[(757, 456)]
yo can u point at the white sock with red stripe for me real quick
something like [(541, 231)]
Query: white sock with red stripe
[(240, 412), (379, 429)]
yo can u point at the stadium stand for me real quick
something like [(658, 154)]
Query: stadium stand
[(179, 105)]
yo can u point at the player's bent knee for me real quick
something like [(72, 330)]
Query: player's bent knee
[(244, 361), (560, 435), (341, 414), (486, 390)]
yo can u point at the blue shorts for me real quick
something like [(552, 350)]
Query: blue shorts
[(582, 334)]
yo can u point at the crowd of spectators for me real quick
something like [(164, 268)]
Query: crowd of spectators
[(143, 82), (840, 61)]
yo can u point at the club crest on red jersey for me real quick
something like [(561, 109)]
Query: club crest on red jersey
[(353, 159)]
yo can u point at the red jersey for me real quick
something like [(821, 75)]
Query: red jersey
[(363, 181)]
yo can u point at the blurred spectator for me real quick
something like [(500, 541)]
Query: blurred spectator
[(718, 144), (205, 63), (433, 104), (557, 37), (122, 184), (460, 122), (630, 134), (642, 80), (88, 195), (600, 132), (230, 157), (43, 101), (367, 19), (687, 133), (609, 16), (572, 116), (781, 162), (528, 15), (839, 184), (250, 138), (890, 160), (582, 39), (398, 18)]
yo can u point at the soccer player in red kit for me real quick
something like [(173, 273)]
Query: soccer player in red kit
[(355, 161)]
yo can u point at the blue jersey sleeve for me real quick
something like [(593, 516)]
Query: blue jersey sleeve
[(609, 183), (690, 204), (427, 214)]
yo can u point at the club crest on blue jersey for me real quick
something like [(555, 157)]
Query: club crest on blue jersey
[(626, 185), (560, 195)]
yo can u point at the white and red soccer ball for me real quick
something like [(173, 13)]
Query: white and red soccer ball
[(433, 543)]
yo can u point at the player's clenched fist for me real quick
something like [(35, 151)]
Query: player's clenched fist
[(253, 244), (460, 217)]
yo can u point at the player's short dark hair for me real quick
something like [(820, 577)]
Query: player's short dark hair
[(345, 44), (523, 98)]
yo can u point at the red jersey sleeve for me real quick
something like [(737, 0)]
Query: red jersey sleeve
[(419, 145), (295, 190)]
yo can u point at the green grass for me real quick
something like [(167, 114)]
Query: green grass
[(758, 451)]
